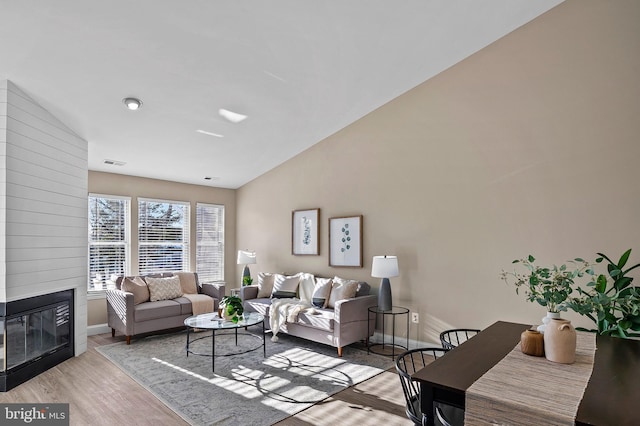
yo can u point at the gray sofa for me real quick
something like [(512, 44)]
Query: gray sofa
[(345, 324), (124, 316)]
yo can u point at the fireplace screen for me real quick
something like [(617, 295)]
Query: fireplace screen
[(31, 335), (36, 334)]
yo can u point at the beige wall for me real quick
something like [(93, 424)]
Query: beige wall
[(134, 187), (97, 311), (529, 146)]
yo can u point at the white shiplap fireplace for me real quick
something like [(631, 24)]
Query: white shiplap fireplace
[(43, 237)]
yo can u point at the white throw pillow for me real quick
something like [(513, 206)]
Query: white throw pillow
[(321, 292), (265, 284), (342, 289), (164, 288), (306, 286), (285, 287)]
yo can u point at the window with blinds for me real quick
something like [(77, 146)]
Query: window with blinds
[(108, 239), (210, 242), (163, 236)]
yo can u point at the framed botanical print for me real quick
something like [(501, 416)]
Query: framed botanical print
[(305, 232), (345, 241)]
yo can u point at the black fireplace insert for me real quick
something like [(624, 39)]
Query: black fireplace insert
[(37, 334)]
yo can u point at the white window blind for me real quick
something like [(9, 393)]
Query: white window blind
[(108, 239), (210, 242), (163, 236)]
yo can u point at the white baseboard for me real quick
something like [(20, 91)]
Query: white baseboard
[(98, 329), (377, 338)]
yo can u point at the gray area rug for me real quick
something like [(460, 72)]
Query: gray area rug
[(246, 389)]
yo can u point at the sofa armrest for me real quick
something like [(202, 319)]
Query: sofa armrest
[(354, 309), (120, 310), (248, 292), (215, 290)]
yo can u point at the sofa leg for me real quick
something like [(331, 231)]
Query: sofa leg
[(340, 351), (128, 340), (113, 332)]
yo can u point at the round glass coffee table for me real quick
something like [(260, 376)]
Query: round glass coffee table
[(216, 324)]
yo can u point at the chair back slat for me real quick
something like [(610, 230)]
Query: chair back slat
[(407, 364), (455, 337)]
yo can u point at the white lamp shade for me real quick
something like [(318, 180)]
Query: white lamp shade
[(384, 267), (246, 257)]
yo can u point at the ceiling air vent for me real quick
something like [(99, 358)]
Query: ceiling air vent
[(114, 163)]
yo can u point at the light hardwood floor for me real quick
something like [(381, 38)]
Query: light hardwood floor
[(99, 393)]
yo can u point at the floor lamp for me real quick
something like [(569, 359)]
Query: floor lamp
[(384, 267)]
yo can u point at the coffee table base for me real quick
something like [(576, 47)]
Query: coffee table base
[(213, 354)]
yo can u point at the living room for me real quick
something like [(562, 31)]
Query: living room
[(469, 188), (528, 146)]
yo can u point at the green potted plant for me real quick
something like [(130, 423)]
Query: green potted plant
[(232, 308), (548, 286), (246, 280), (612, 303)]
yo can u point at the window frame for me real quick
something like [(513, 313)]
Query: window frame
[(203, 277), (186, 234), (107, 282)]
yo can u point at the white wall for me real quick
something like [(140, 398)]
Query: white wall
[(45, 206), (3, 187)]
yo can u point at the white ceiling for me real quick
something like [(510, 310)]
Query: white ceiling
[(300, 69)]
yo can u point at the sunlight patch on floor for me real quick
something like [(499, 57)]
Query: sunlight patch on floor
[(244, 383)]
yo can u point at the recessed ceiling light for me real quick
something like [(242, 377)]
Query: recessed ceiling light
[(234, 117), (132, 103), (204, 132)]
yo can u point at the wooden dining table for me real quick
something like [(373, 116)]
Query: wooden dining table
[(611, 397)]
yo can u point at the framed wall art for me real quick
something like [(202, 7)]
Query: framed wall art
[(345, 241), (305, 232)]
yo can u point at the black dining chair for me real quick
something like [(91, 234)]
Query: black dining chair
[(408, 363), (454, 337), (441, 418)]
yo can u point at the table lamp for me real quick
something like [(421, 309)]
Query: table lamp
[(384, 267), (246, 258)]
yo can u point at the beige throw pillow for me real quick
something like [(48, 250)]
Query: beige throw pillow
[(321, 292), (138, 287), (187, 282), (164, 288), (265, 285), (285, 287), (342, 289)]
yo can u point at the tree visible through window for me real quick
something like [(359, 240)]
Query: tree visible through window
[(210, 242), (108, 239), (163, 236)]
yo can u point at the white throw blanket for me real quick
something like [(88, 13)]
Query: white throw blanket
[(286, 310)]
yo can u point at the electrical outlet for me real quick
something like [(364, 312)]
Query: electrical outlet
[(415, 317)]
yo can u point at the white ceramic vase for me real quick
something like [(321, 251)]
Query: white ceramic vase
[(545, 320), (560, 341)]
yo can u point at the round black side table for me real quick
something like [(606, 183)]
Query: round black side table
[(393, 312)]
